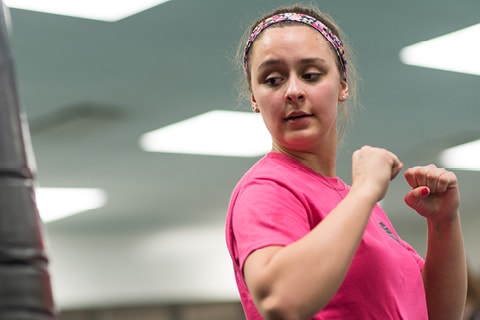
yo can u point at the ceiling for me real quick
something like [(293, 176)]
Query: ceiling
[(90, 89)]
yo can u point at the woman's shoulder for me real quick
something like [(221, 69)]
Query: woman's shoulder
[(276, 170), (265, 166), (274, 163)]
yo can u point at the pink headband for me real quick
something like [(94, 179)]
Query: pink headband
[(302, 18)]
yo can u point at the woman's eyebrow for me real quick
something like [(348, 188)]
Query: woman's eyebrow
[(275, 62), (307, 61), (269, 63)]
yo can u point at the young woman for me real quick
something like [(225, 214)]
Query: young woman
[(304, 245)]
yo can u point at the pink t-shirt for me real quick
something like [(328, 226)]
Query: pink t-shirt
[(279, 200)]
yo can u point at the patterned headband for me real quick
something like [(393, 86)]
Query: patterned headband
[(302, 18)]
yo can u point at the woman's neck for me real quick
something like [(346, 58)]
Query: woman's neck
[(322, 162)]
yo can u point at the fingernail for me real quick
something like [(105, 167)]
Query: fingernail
[(425, 191)]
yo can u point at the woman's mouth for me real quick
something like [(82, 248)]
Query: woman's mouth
[(297, 115)]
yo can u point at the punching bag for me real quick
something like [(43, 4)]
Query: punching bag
[(25, 288)]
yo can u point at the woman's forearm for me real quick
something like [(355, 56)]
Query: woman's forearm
[(445, 270), (301, 278)]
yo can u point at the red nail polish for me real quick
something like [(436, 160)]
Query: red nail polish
[(425, 191)]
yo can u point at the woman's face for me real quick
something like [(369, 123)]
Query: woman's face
[(296, 86)]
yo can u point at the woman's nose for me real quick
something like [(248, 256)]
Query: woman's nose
[(294, 91)]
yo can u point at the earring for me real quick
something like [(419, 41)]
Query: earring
[(255, 109)]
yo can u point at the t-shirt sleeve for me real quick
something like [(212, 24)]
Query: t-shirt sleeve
[(267, 213)]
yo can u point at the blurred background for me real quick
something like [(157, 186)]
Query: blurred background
[(136, 226)]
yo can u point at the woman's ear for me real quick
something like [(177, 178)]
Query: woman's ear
[(254, 105), (343, 93)]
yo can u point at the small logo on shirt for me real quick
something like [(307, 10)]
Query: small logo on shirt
[(388, 231)]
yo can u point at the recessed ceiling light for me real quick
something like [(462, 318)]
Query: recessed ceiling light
[(58, 203), (464, 157), (217, 132), (104, 10), (457, 51)]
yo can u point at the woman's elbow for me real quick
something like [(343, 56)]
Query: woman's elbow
[(281, 307)]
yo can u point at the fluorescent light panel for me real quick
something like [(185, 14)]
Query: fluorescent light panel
[(464, 157), (457, 51), (217, 132), (58, 203), (104, 10)]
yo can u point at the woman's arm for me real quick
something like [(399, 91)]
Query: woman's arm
[(296, 281), (435, 196)]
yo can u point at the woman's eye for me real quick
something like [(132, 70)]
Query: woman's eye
[(273, 81), (311, 76)]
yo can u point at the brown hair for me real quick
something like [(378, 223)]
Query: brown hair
[(245, 79)]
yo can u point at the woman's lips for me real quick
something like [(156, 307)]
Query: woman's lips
[(297, 115)]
